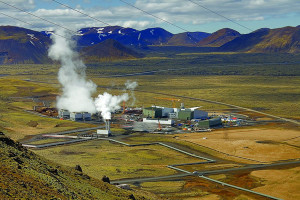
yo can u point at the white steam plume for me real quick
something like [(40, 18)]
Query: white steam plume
[(131, 85), (76, 90), (107, 103)]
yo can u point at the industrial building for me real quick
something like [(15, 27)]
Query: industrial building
[(210, 123), (65, 114), (106, 132), (80, 116), (169, 122), (152, 112), (174, 113), (189, 114)]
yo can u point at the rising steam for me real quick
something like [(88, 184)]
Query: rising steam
[(76, 89), (107, 103), (131, 85)]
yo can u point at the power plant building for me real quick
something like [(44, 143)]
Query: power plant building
[(174, 113), (80, 116), (152, 112), (189, 114), (161, 121), (185, 114), (65, 114), (209, 123)]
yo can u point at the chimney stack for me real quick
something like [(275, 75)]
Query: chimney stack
[(107, 126)]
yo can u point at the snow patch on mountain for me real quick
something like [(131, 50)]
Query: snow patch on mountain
[(152, 31), (99, 30), (32, 36)]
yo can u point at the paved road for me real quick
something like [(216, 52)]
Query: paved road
[(202, 173), (39, 146), (249, 167), (61, 133), (175, 166), (140, 180), (239, 188)]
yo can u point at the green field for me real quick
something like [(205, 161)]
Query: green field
[(269, 83), (98, 158), (279, 95)]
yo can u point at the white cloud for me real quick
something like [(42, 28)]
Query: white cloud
[(137, 24), (23, 4), (179, 12)]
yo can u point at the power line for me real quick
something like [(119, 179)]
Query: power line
[(39, 17), (29, 23), (67, 6), (154, 16), (220, 15), (80, 12)]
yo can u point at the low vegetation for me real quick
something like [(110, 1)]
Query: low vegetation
[(120, 161), (268, 83), (26, 175)]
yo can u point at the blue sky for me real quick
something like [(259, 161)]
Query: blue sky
[(253, 14)]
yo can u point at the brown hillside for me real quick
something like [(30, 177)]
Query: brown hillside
[(24, 175), (283, 40), (182, 39), (219, 38), (20, 45), (108, 50)]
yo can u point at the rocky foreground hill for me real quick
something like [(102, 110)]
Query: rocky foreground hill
[(24, 175)]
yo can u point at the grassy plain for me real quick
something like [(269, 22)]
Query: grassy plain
[(268, 83), (264, 145), (16, 96), (274, 95), (98, 158), (281, 183)]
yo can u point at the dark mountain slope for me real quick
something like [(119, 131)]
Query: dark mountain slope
[(246, 42), (24, 175), (187, 38), (108, 50), (281, 40), (153, 36), (126, 36), (95, 35), (20, 45), (219, 38)]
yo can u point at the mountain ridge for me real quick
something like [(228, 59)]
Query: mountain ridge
[(20, 45)]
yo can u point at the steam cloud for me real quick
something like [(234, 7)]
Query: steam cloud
[(76, 89), (107, 103), (131, 85)]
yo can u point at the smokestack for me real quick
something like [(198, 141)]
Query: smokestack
[(107, 125), (182, 105)]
